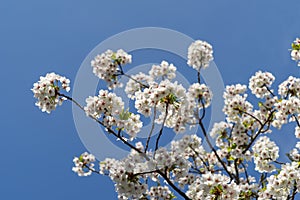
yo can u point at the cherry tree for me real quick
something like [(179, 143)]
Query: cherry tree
[(187, 170)]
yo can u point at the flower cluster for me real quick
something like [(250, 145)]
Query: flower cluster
[(265, 151), (213, 186), (164, 70), (187, 168), (236, 105), (106, 103), (219, 129), (260, 83), (279, 186), (129, 174), (111, 107), (84, 165), (289, 87), (199, 54), (123, 173), (285, 108), (137, 83), (166, 97), (295, 53), (107, 66), (47, 89), (200, 92), (294, 154), (160, 192), (134, 173)]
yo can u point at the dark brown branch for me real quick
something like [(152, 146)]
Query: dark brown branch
[(151, 131), (260, 123), (213, 149), (122, 73), (198, 76), (273, 95), (258, 133), (162, 128), (94, 171), (297, 121), (294, 191), (174, 186)]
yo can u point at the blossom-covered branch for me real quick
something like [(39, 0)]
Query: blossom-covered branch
[(187, 170)]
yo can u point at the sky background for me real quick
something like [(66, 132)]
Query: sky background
[(44, 36)]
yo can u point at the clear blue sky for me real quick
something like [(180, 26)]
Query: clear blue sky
[(43, 36)]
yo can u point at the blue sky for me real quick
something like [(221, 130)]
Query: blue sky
[(43, 36)]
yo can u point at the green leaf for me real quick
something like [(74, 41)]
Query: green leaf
[(172, 196), (231, 158), (295, 46), (113, 57), (234, 145), (81, 158), (125, 114)]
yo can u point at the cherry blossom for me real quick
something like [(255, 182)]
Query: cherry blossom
[(47, 91), (199, 54), (107, 66), (193, 167)]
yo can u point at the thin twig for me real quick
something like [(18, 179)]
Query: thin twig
[(93, 170), (260, 123), (203, 109), (128, 76), (237, 171), (71, 99), (151, 131), (208, 140), (161, 129), (246, 173), (297, 121), (198, 76), (143, 173), (273, 95), (213, 149), (294, 191), (258, 133)]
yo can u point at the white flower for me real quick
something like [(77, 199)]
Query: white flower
[(160, 192), (219, 129), (164, 70), (260, 82), (47, 89), (199, 54), (297, 41), (130, 123), (213, 186), (137, 84), (290, 87), (280, 185), (233, 90), (200, 92), (295, 53), (127, 184), (294, 154), (166, 98), (107, 66), (265, 151), (105, 103), (285, 108), (236, 108), (111, 107), (84, 165)]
